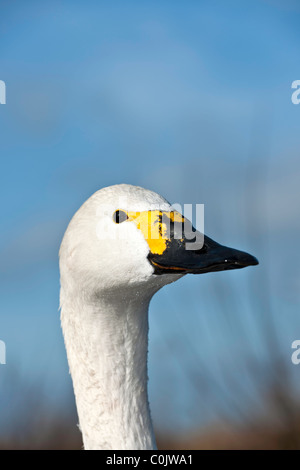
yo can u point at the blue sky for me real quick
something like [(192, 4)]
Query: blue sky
[(192, 100)]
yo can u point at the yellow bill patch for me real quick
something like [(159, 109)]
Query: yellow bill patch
[(155, 226)]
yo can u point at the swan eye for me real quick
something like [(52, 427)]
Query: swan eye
[(119, 217)]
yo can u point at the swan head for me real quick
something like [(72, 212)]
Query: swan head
[(124, 239)]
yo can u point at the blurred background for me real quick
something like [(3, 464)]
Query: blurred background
[(192, 100)]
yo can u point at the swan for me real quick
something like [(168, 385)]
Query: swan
[(116, 253)]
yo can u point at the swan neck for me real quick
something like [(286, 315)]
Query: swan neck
[(107, 345)]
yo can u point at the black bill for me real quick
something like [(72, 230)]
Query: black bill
[(212, 257)]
